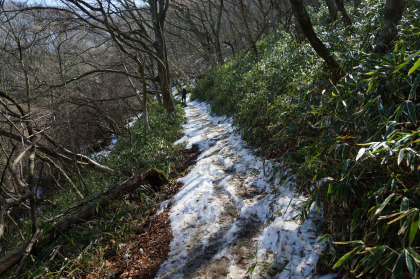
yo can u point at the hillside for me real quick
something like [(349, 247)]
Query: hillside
[(354, 143)]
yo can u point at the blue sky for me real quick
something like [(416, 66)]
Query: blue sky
[(44, 2)]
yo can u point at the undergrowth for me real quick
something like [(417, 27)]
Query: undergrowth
[(354, 145), (87, 247)]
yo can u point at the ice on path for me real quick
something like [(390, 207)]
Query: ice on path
[(234, 213)]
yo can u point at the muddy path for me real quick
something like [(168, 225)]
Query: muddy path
[(234, 218)]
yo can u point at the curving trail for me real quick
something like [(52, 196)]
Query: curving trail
[(235, 217)]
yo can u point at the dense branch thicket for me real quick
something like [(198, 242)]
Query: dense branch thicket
[(65, 89), (47, 124)]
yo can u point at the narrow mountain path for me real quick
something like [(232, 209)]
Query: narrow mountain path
[(237, 215)]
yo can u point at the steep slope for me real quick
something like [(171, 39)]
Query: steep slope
[(359, 135)]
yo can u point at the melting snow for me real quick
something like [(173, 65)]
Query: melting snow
[(132, 121), (105, 152), (237, 215)]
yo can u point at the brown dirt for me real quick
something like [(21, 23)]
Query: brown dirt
[(154, 245), (149, 245)]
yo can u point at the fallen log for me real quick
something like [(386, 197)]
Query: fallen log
[(153, 177)]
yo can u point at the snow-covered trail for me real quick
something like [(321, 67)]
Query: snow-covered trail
[(235, 217)]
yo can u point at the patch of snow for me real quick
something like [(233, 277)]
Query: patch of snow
[(113, 142), (100, 154), (38, 192), (163, 206), (235, 212), (174, 90), (328, 276), (132, 120), (105, 152)]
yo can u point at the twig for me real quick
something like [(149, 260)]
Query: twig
[(16, 224), (288, 205), (27, 252), (54, 164)]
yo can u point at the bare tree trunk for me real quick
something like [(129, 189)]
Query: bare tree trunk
[(305, 22), (3, 206), (332, 9), (233, 31), (167, 99), (393, 13), (248, 30), (356, 4), (3, 212), (31, 184), (73, 146), (231, 48), (298, 29), (131, 82), (145, 109), (26, 254), (157, 93), (345, 15), (216, 34), (158, 10), (219, 52)]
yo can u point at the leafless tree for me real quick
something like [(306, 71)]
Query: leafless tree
[(202, 19), (252, 20), (51, 85), (134, 29)]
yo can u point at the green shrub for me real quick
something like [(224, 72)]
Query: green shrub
[(354, 145), (141, 148)]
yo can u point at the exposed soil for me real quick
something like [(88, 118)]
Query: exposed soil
[(148, 248), (151, 250)]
